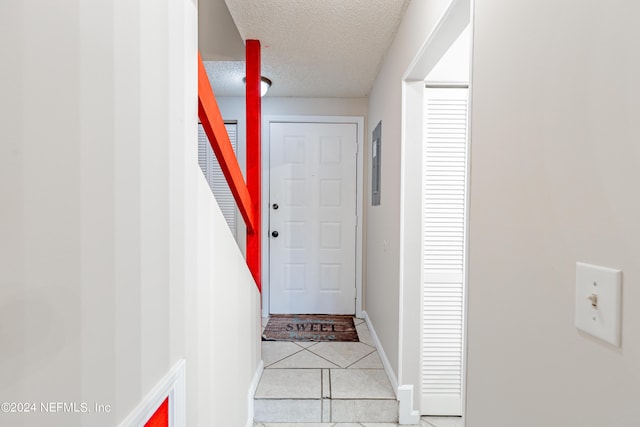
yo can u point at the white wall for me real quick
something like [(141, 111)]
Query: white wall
[(454, 65), (554, 180), (383, 222), (109, 241), (234, 108), (223, 337)]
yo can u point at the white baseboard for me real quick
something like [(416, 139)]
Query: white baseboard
[(406, 414), (404, 393), (252, 391), (172, 385), (382, 354)]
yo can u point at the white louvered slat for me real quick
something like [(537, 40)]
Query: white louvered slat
[(203, 145), (213, 173), (443, 249)]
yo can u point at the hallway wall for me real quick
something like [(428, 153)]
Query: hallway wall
[(382, 274), (114, 262), (223, 320), (234, 108), (554, 180)]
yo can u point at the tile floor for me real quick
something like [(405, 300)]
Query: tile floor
[(328, 384), (424, 422)]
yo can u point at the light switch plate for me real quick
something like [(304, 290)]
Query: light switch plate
[(601, 286)]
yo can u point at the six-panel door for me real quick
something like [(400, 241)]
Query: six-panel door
[(312, 218)]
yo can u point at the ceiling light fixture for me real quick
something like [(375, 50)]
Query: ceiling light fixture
[(265, 84)]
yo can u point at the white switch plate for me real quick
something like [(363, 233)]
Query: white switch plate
[(603, 321)]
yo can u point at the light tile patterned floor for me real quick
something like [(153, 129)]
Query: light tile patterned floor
[(425, 422), (330, 380), (441, 422), (325, 381)]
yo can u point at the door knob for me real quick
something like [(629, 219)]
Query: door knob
[(275, 206), (274, 234)]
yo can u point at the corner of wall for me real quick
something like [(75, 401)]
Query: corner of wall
[(404, 393), (383, 356)]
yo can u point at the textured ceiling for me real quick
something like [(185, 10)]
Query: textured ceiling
[(312, 48)]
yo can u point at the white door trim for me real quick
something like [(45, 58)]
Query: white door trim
[(266, 143), (455, 19)]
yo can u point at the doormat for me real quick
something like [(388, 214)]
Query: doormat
[(303, 327)]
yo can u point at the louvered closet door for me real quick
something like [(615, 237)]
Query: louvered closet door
[(215, 178), (443, 249)]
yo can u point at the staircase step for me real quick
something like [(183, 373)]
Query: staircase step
[(362, 410), (325, 410)]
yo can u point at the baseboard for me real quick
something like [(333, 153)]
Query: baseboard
[(382, 354), (172, 385), (252, 392), (404, 393), (406, 414)]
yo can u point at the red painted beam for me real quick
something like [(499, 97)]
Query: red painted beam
[(254, 165), (160, 418), (213, 125)]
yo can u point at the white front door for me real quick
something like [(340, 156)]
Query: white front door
[(312, 214)]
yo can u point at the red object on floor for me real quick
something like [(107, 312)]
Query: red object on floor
[(254, 162), (161, 417)]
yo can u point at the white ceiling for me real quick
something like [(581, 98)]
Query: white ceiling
[(310, 48)]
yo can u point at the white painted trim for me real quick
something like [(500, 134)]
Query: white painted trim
[(383, 356), (409, 280), (406, 414), (252, 392), (452, 23), (266, 122), (172, 385), (465, 289), (409, 284)]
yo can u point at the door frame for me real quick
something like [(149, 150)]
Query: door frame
[(456, 18), (266, 176)]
